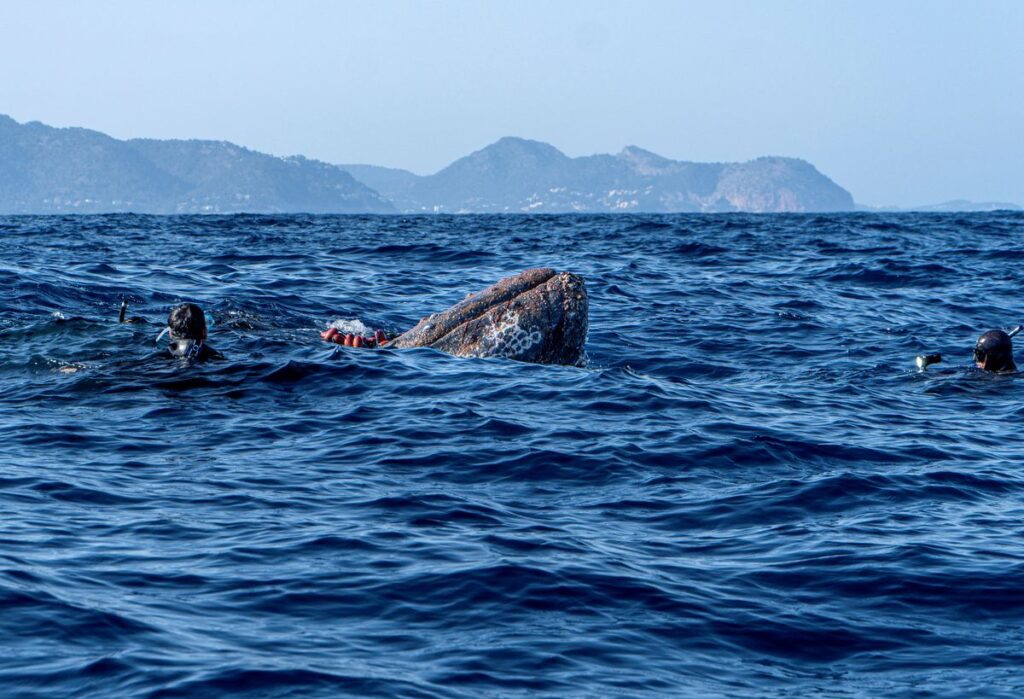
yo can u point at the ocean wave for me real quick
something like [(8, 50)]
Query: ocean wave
[(750, 473)]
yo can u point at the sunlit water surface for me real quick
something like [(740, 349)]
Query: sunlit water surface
[(748, 491)]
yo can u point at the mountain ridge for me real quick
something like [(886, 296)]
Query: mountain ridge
[(46, 170), (522, 175), (950, 206)]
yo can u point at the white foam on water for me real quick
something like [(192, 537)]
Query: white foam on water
[(352, 326)]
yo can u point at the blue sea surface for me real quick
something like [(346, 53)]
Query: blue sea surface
[(749, 490)]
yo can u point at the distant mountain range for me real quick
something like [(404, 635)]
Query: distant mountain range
[(954, 205), (44, 170), (517, 175), (50, 170)]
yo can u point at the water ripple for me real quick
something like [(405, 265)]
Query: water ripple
[(748, 491)]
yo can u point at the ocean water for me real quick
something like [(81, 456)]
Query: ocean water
[(749, 490)]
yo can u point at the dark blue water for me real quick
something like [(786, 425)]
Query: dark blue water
[(749, 491)]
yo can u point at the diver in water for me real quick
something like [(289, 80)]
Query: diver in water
[(994, 352), (186, 324), (379, 338)]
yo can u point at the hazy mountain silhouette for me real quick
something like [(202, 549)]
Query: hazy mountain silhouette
[(516, 175), (73, 170), (49, 170), (955, 205)]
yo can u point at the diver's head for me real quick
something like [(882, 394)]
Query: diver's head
[(994, 352), (187, 322)]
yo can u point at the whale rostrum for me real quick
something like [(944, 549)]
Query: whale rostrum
[(538, 316)]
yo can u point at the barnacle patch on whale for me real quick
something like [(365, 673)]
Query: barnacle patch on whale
[(538, 316)]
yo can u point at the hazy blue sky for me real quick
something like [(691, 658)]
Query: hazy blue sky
[(899, 102)]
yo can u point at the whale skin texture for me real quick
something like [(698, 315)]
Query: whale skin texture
[(538, 316)]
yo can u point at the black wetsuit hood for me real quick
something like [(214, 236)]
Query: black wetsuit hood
[(995, 350)]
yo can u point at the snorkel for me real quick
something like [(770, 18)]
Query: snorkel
[(167, 330), (122, 315)]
